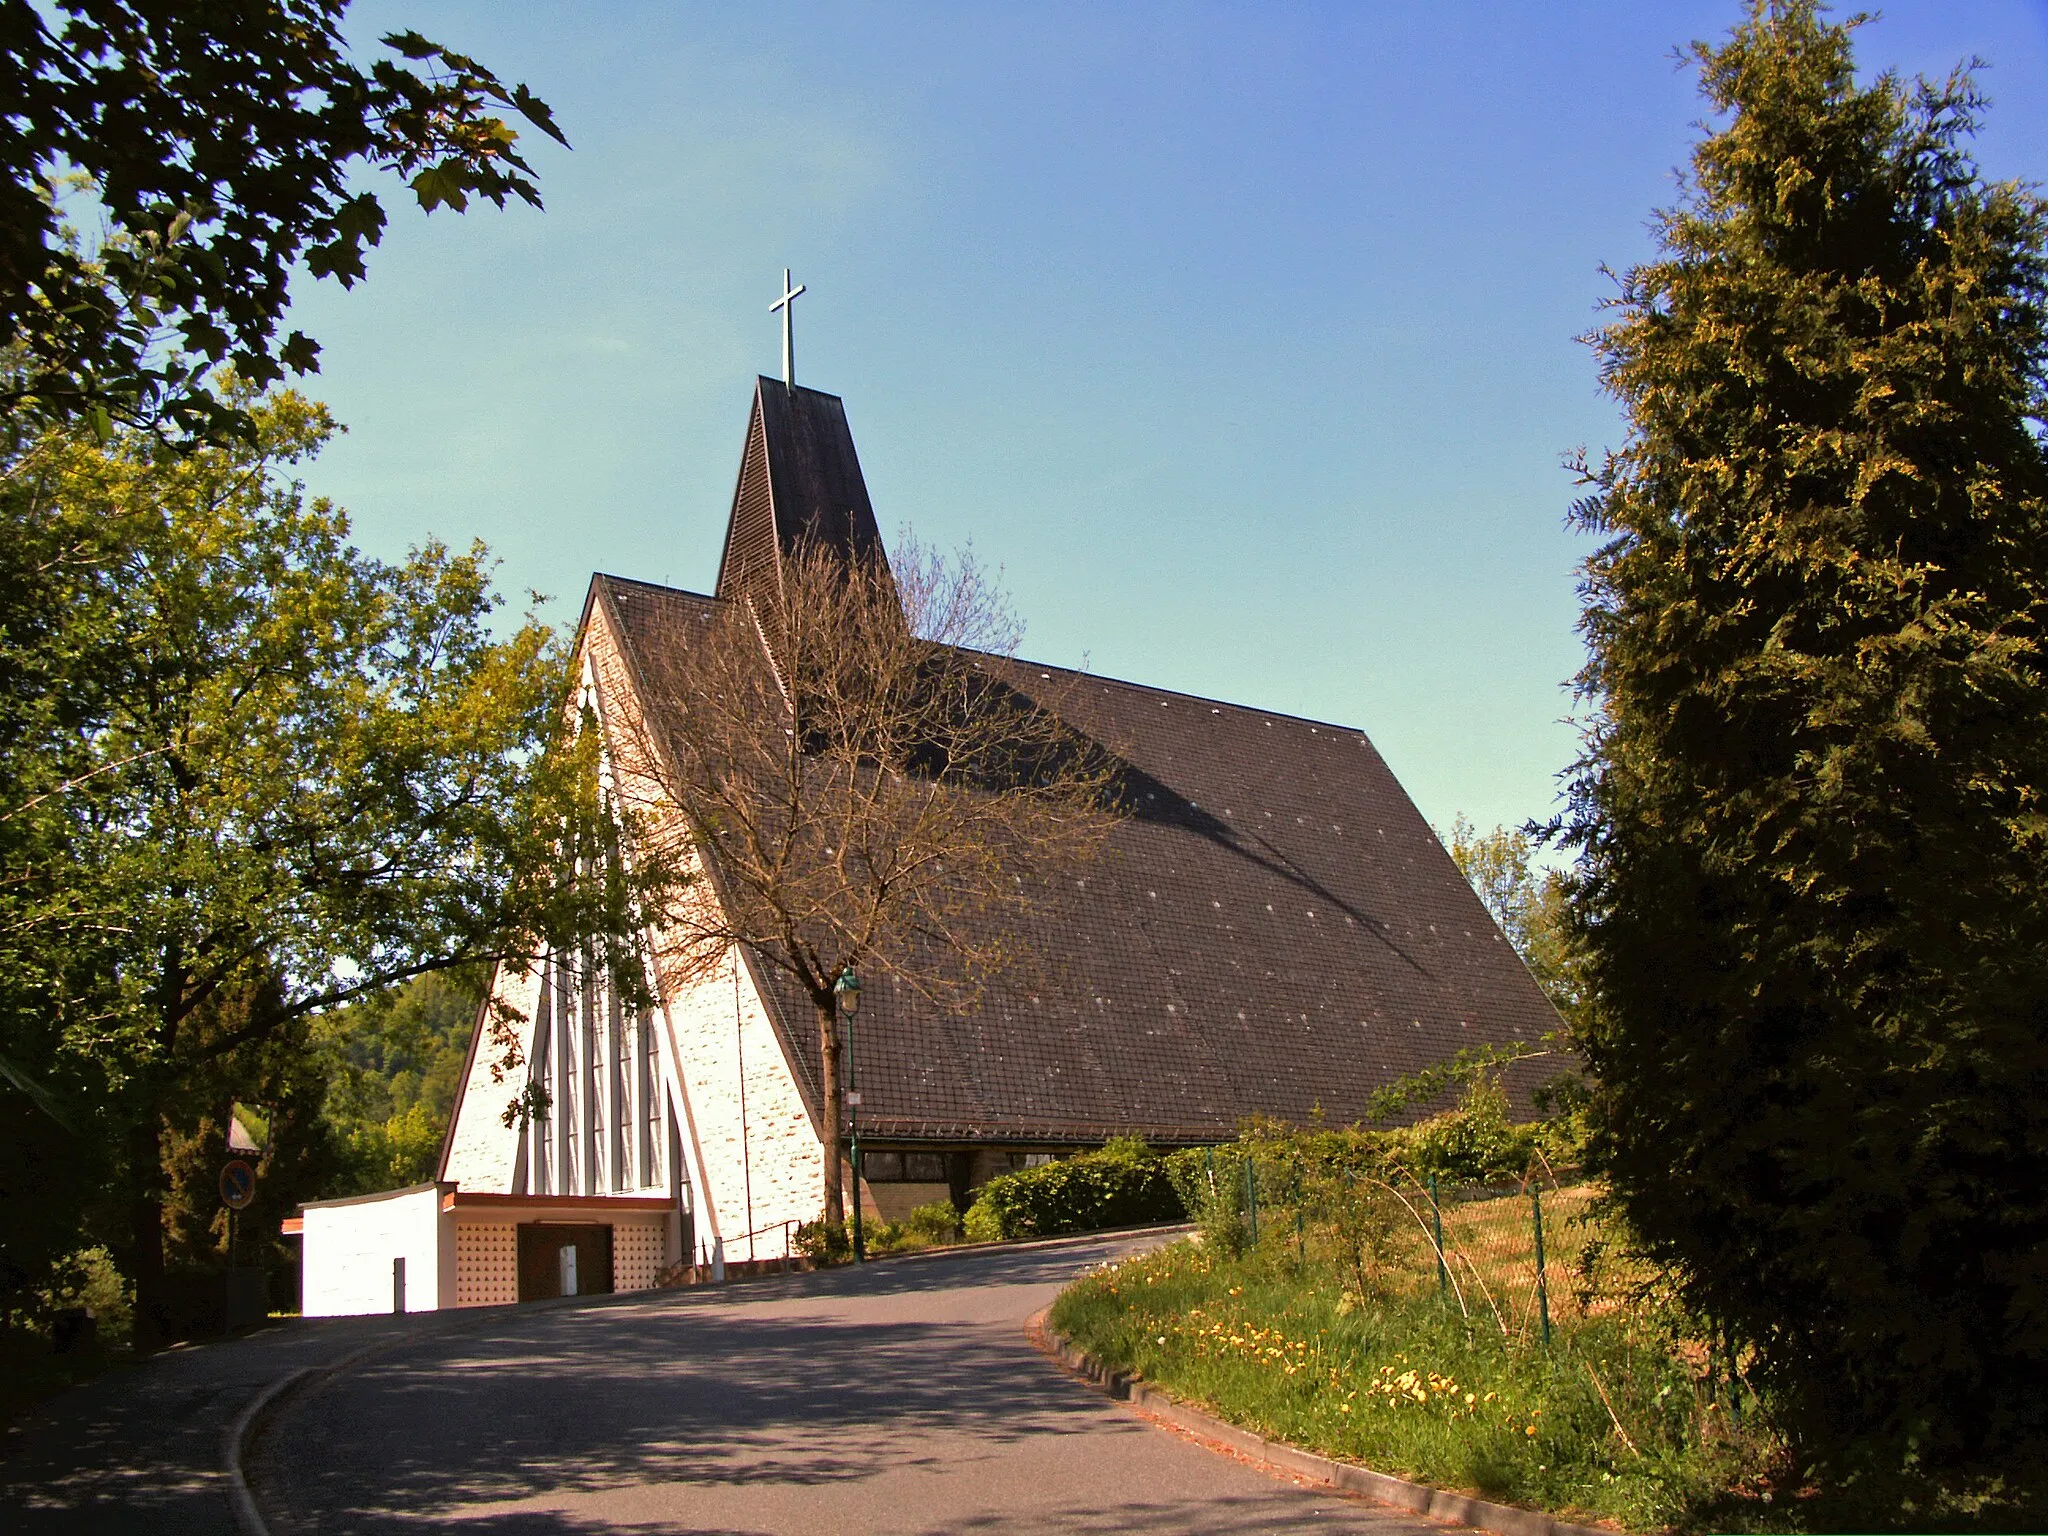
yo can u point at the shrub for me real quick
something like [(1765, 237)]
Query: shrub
[(1473, 1142), (88, 1282), (982, 1223), (824, 1242), (931, 1225), (1285, 1165), (1123, 1184)]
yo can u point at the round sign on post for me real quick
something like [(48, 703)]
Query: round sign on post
[(237, 1185)]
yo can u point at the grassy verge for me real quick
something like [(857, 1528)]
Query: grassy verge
[(1605, 1423)]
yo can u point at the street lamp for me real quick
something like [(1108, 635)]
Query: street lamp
[(846, 992)]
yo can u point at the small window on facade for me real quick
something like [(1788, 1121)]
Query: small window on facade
[(882, 1167), (924, 1167)]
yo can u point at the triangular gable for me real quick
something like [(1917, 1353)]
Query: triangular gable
[(616, 614)]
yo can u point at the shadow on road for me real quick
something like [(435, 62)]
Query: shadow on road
[(603, 1398), (791, 1382)]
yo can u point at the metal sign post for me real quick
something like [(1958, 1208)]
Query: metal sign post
[(237, 1189)]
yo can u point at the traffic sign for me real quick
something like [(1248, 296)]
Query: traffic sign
[(237, 1185)]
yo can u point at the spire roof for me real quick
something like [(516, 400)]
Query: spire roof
[(799, 478)]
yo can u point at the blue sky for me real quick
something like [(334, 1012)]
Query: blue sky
[(1239, 336)]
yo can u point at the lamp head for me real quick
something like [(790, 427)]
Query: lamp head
[(847, 990)]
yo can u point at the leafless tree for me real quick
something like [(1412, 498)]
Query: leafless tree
[(848, 752)]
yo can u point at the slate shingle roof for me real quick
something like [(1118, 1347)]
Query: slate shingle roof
[(1274, 930)]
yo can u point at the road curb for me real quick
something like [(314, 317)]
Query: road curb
[(235, 1441), (1279, 1456)]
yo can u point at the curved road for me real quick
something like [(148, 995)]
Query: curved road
[(903, 1398)]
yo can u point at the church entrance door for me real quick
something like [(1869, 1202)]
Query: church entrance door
[(560, 1258)]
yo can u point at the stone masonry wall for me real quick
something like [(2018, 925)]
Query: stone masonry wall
[(753, 1137)]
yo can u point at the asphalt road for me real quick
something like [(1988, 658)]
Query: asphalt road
[(901, 1398), (140, 1449)]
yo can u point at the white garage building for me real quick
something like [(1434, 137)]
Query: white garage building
[(435, 1246)]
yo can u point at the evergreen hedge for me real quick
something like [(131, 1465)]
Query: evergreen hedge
[(1814, 902)]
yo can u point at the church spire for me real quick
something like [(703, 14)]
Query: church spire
[(800, 480)]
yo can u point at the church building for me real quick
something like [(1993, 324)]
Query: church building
[(1274, 930)]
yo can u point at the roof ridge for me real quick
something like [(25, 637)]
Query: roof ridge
[(1052, 666), (652, 586), (1197, 698)]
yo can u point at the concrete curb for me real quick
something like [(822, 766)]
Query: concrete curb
[(236, 1439), (240, 1436), (1279, 1456)]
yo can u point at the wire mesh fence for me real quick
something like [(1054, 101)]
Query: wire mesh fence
[(1512, 1252)]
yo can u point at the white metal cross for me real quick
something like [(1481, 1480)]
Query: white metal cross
[(787, 304)]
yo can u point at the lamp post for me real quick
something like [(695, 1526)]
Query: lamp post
[(846, 992)]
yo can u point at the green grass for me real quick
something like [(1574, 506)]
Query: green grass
[(1606, 1422)]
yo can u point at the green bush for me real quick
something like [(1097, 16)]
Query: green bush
[(881, 1237), (1122, 1184), (930, 1226), (90, 1280), (1473, 1142), (824, 1242), (1214, 1190), (983, 1223)]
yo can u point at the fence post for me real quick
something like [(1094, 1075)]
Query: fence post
[(1300, 1220), (1251, 1194), (1542, 1286), (1436, 1216)]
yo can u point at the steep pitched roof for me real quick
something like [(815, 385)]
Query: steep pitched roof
[(799, 479), (1275, 929)]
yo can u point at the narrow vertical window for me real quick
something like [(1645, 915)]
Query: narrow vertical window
[(592, 1083), (538, 1126), (652, 1097), (619, 1152)]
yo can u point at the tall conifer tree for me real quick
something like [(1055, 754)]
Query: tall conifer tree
[(1814, 800)]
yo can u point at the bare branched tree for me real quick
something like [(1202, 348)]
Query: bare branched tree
[(847, 752)]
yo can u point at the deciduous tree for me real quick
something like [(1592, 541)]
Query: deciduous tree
[(1531, 904), (863, 785), (222, 144), (282, 762)]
